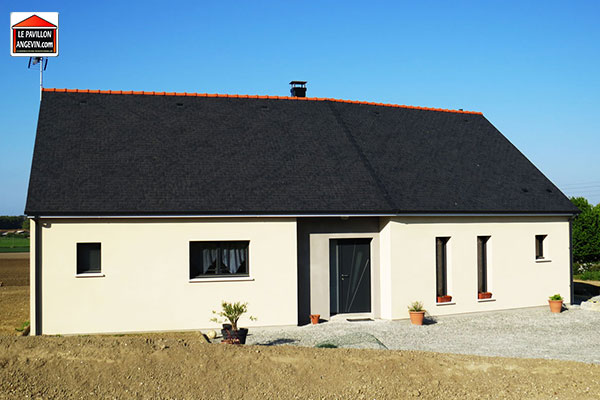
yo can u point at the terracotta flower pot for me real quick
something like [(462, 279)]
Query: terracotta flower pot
[(416, 317), (555, 305), (314, 318), (484, 295), (444, 299)]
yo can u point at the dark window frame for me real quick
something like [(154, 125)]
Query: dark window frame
[(86, 265), (482, 263), (195, 265), (539, 247), (441, 265)]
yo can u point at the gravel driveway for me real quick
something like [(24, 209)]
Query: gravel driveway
[(527, 333)]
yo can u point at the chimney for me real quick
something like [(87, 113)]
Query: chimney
[(298, 88)]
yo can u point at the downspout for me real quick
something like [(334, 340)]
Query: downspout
[(38, 276), (571, 284)]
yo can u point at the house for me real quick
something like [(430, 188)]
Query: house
[(148, 209)]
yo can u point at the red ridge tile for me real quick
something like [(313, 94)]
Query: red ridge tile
[(245, 96)]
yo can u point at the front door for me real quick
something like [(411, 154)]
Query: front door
[(350, 275)]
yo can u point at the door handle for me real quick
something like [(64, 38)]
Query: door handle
[(344, 276)]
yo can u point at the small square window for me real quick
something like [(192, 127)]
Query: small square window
[(214, 259), (539, 246), (88, 258)]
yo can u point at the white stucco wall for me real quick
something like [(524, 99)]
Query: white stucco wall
[(32, 305), (515, 278), (146, 284)]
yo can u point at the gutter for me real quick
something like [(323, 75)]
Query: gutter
[(571, 283), (134, 216)]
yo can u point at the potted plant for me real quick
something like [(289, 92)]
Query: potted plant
[(417, 313), (232, 312), (484, 295), (314, 318), (556, 303), (444, 299)]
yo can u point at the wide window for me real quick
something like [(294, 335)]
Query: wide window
[(441, 256), (482, 264), (211, 259), (88, 258), (539, 246)]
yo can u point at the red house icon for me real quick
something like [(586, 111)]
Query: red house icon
[(34, 35), (34, 22)]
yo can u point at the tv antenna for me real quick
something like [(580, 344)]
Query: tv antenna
[(43, 62)]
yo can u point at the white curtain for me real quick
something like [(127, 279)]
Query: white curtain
[(209, 258), (233, 257)]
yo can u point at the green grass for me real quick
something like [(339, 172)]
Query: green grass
[(14, 244), (326, 346), (23, 326), (588, 276)]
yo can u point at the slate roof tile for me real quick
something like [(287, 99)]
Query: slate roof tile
[(128, 153)]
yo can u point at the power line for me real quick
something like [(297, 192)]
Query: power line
[(581, 190), (581, 184)]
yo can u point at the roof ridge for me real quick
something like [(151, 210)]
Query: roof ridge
[(246, 96)]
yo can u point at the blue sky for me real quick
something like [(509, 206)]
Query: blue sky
[(532, 67)]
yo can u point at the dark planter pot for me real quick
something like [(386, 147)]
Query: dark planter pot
[(236, 337), (444, 299), (484, 295)]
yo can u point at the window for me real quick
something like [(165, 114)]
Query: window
[(211, 259), (88, 258), (539, 246), (441, 270), (482, 267)]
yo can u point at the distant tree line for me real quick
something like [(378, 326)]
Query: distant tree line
[(14, 222), (586, 232)]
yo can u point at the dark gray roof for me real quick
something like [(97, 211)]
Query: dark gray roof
[(111, 154)]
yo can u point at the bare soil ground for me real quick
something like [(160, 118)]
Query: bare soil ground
[(184, 366), (14, 269), (14, 292)]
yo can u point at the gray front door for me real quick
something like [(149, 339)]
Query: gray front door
[(350, 275)]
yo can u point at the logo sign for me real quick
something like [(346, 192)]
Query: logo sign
[(34, 34)]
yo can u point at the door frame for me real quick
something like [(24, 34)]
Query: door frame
[(333, 242), (318, 264)]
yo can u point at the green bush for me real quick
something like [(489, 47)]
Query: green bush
[(587, 269), (586, 232), (556, 297), (231, 312), (416, 306), (588, 276)]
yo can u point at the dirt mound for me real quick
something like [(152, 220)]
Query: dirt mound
[(181, 366)]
